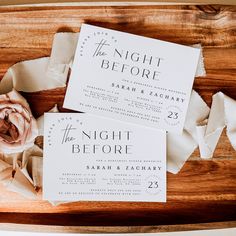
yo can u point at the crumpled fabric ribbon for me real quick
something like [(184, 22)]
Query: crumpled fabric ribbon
[(222, 114), (29, 76), (180, 147), (203, 128), (43, 73), (24, 178), (62, 56), (52, 72)]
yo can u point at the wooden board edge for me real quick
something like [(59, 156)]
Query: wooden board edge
[(117, 229)]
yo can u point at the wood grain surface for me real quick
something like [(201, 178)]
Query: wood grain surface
[(204, 191)]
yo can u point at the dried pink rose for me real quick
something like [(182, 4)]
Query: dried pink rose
[(18, 128)]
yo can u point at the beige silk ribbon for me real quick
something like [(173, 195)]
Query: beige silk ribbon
[(222, 114)]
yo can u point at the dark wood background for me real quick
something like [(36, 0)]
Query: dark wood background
[(204, 191)]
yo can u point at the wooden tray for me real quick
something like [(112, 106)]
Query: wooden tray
[(204, 191)]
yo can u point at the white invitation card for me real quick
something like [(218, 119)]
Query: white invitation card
[(132, 78), (96, 159)]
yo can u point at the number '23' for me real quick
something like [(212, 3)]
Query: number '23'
[(153, 184), (173, 115)]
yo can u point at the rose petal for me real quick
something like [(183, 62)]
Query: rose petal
[(17, 120), (4, 126), (16, 98), (14, 132)]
